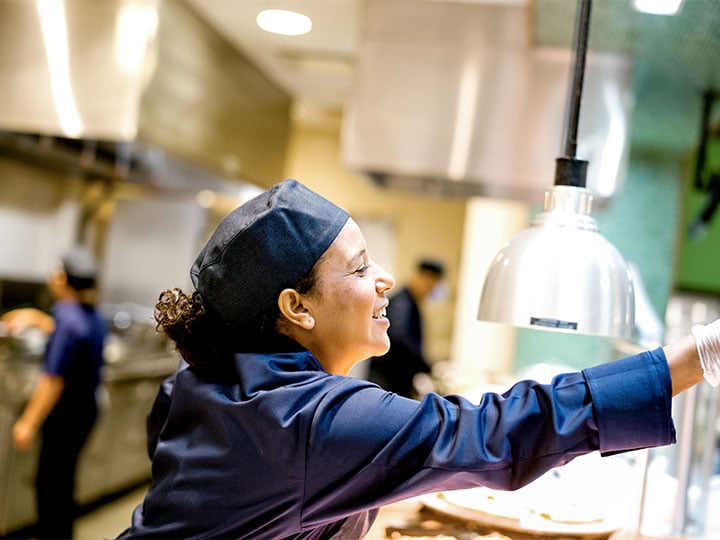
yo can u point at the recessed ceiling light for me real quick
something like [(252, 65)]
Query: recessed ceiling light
[(658, 7), (282, 21)]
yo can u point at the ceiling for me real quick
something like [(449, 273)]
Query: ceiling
[(676, 57), (316, 68)]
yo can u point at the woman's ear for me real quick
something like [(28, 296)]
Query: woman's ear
[(294, 310)]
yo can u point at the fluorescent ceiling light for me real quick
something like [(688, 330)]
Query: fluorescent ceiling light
[(55, 37), (658, 7), (281, 21), (136, 26)]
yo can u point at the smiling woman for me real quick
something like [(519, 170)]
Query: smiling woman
[(261, 434)]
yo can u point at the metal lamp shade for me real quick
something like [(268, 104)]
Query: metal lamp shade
[(561, 274)]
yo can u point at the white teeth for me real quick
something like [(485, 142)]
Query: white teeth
[(382, 313)]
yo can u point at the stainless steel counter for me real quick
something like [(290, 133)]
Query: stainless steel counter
[(115, 457)]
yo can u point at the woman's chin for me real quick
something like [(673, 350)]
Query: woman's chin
[(384, 349)]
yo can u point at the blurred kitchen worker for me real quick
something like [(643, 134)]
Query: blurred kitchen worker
[(396, 370), (62, 404), (262, 434)]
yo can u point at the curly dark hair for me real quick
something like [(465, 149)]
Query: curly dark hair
[(203, 338)]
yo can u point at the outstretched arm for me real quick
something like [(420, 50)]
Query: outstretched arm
[(18, 320), (695, 357)]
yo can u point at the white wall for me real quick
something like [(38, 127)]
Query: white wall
[(482, 351), (150, 246), (39, 213)]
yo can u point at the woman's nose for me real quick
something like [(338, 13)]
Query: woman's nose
[(385, 280)]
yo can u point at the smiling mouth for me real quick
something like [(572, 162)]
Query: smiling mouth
[(380, 314)]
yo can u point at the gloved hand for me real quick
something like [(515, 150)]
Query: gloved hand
[(707, 339)]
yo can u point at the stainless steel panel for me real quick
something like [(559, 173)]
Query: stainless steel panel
[(74, 68), (456, 92), (207, 104), (151, 244), (140, 70), (17, 471), (115, 456), (19, 369)]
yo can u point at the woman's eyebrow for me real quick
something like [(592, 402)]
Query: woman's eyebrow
[(360, 255), (355, 259)]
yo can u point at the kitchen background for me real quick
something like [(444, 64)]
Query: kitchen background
[(161, 139)]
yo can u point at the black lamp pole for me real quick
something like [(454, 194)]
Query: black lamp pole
[(570, 171)]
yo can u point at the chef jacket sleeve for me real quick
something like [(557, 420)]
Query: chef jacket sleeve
[(60, 349), (632, 405), (368, 446)]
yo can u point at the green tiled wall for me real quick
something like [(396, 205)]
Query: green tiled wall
[(699, 264)]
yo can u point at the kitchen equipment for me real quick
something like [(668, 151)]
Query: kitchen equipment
[(561, 274)]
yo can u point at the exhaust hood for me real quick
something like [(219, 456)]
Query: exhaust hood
[(74, 68), (452, 98), (135, 74)]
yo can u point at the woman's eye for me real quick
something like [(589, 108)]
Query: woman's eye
[(362, 269)]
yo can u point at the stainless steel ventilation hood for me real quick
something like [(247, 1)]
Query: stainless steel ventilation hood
[(67, 67), (452, 98), (138, 73)]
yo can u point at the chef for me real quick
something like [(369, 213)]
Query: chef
[(262, 434)]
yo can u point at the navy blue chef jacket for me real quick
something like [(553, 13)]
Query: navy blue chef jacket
[(275, 447)]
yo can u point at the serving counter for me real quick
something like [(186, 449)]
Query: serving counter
[(115, 457), (414, 520)]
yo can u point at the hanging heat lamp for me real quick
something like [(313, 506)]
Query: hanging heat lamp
[(561, 273)]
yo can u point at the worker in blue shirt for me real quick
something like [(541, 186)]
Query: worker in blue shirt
[(261, 433), (62, 406)]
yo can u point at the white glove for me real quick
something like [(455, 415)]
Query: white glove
[(707, 339)]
